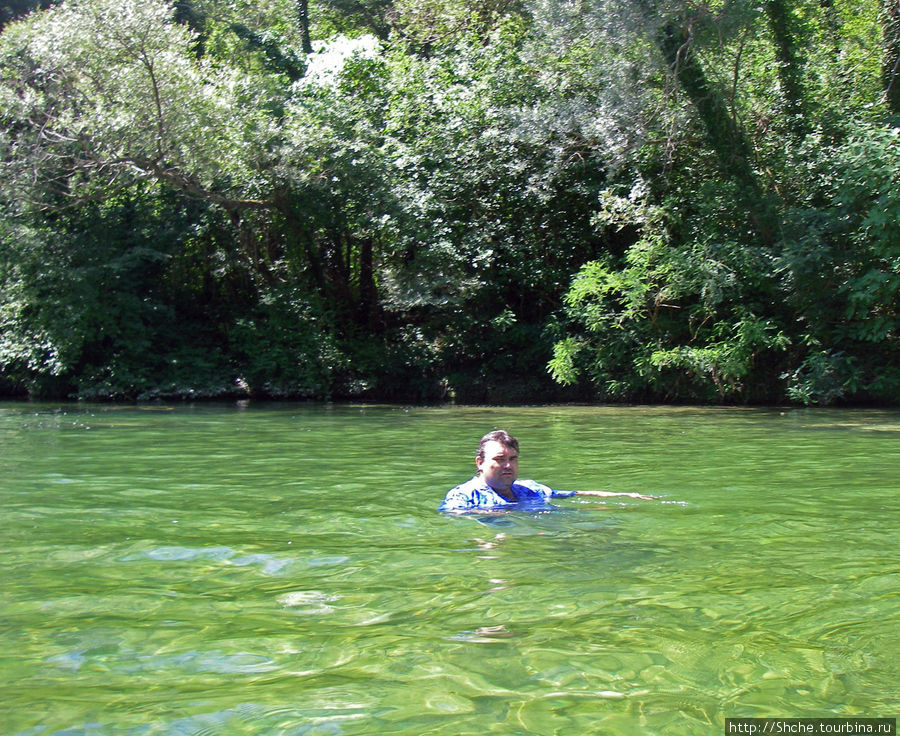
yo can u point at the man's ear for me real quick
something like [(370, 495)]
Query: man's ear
[(479, 461)]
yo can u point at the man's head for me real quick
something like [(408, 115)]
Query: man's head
[(497, 460)]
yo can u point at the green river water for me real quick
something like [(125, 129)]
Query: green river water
[(282, 570)]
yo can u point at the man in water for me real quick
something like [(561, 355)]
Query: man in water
[(495, 484)]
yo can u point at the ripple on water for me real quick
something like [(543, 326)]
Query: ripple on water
[(191, 662), (308, 602), (247, 719), (268, 564), (104, 653)]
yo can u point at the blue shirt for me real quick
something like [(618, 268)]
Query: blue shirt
[(476, 494)]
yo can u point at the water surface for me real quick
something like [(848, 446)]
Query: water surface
[(282, 570)]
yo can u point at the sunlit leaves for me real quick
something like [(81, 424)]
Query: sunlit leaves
[(108, 91), (423, 197)]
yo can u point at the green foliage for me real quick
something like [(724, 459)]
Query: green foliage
[(443, 199), (332, 18), (661, 327), (824, 377), (84, 294), (814, 321), (101, 94), (286, 349), (276, 57), (839, 268)]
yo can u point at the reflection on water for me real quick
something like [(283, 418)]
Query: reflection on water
[(283, 570)]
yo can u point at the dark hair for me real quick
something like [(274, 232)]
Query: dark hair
[(504, 438)]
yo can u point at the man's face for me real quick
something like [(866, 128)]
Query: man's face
[(499, 467)]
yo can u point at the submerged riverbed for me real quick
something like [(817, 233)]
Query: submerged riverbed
[(282, 570)]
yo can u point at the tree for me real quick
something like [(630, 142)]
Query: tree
[(698, 307), (303, 24), (369, 16), (102, 100), (99, 94), (400, 213), (891, 63)]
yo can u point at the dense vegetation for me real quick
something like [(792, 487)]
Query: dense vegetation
[(642, 200)]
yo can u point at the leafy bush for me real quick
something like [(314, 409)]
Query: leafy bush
[(286, 348)]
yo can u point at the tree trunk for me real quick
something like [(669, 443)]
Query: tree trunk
[(891, 64), (790, 66), (724, 135), (369, 313), (303, 23)]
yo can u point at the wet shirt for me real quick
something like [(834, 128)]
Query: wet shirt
[(476, 494)]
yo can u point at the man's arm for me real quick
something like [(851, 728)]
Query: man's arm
[(605, 494)]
